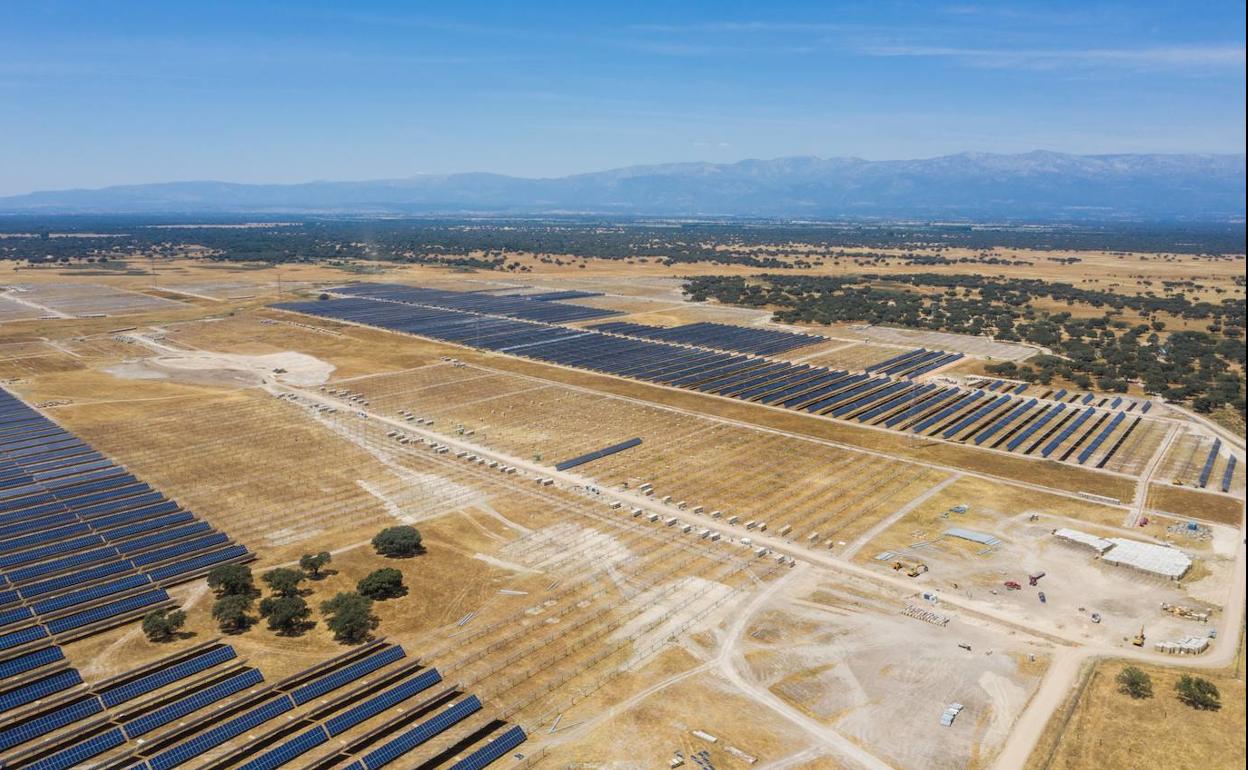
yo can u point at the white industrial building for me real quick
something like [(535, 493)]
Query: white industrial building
[(1147, 557), (1098, 544), (1154, 559)]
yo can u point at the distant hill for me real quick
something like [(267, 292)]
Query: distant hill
[(1031, 186)]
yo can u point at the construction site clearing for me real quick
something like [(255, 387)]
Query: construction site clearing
[(619, 571)]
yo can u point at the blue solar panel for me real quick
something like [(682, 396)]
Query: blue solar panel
[(40, 688), (1065, 432), (86, 576), (896, 359), (280, 755), (163, 536), (75, 755), (194, 702), (39, 554), (483, 756), (21, 636), (173, 551), (382, 701), (962, 402), (91, 593), (1020, 438), (54, 720), (1229, 474), (1208, 467), (23, 574), (158, 679), (978, 414), (106, 611), (1096, 442), (30, 661), (45, 535), (148, 523), (198, 562), (188, 750), (1013, 415), (926, 405), (346, 674), (422, 732), (15, 615)]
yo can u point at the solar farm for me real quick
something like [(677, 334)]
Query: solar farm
[(653, 532)]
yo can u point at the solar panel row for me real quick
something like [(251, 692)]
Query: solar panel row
[(449, 316), (741, 339), (80, 537)]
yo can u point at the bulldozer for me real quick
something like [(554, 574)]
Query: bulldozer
[(1138, 639), (912, 569)]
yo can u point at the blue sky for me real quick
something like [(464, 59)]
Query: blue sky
[(118, 92)]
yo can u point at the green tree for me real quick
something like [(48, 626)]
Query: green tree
[(231, 580), (232, 613), (162, 625), (1199, 693), (283, 581), (350, 617), (398, 541), (1134, 682), (386, 583), (314, 563), (287, 615)]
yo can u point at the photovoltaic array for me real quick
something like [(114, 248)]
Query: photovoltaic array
[(179, 709), (83, 543), (702, 357)]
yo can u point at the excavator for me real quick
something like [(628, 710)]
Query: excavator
[(912, 569), (1138, 639)]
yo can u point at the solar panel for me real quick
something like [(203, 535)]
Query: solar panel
[(39, 554), (379, 703), (21, 636), (190, 546), (164, 536), (105, 611), (41, 688), (191, 703), (1208, 467), (158, 679), (1096, 442), (346, 674), (44, 535), (14, 615), (280, 755), (1037, 425), (978, 414), (1010, 417), (54, 720), (422, 732), (197, 562), (494, 750), (30, 661), (75, 755), (88, 575), (188, 750), (1065, 432), (1229, 474), (23, 574)]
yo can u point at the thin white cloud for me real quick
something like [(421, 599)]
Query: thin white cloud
[(1158, 58)]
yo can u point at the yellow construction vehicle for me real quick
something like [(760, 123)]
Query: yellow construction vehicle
[(1138, 639), (912, 569)]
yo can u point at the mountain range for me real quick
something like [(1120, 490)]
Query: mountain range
[(1040, 186)]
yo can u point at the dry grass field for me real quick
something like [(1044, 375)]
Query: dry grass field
[(1105, 728)]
